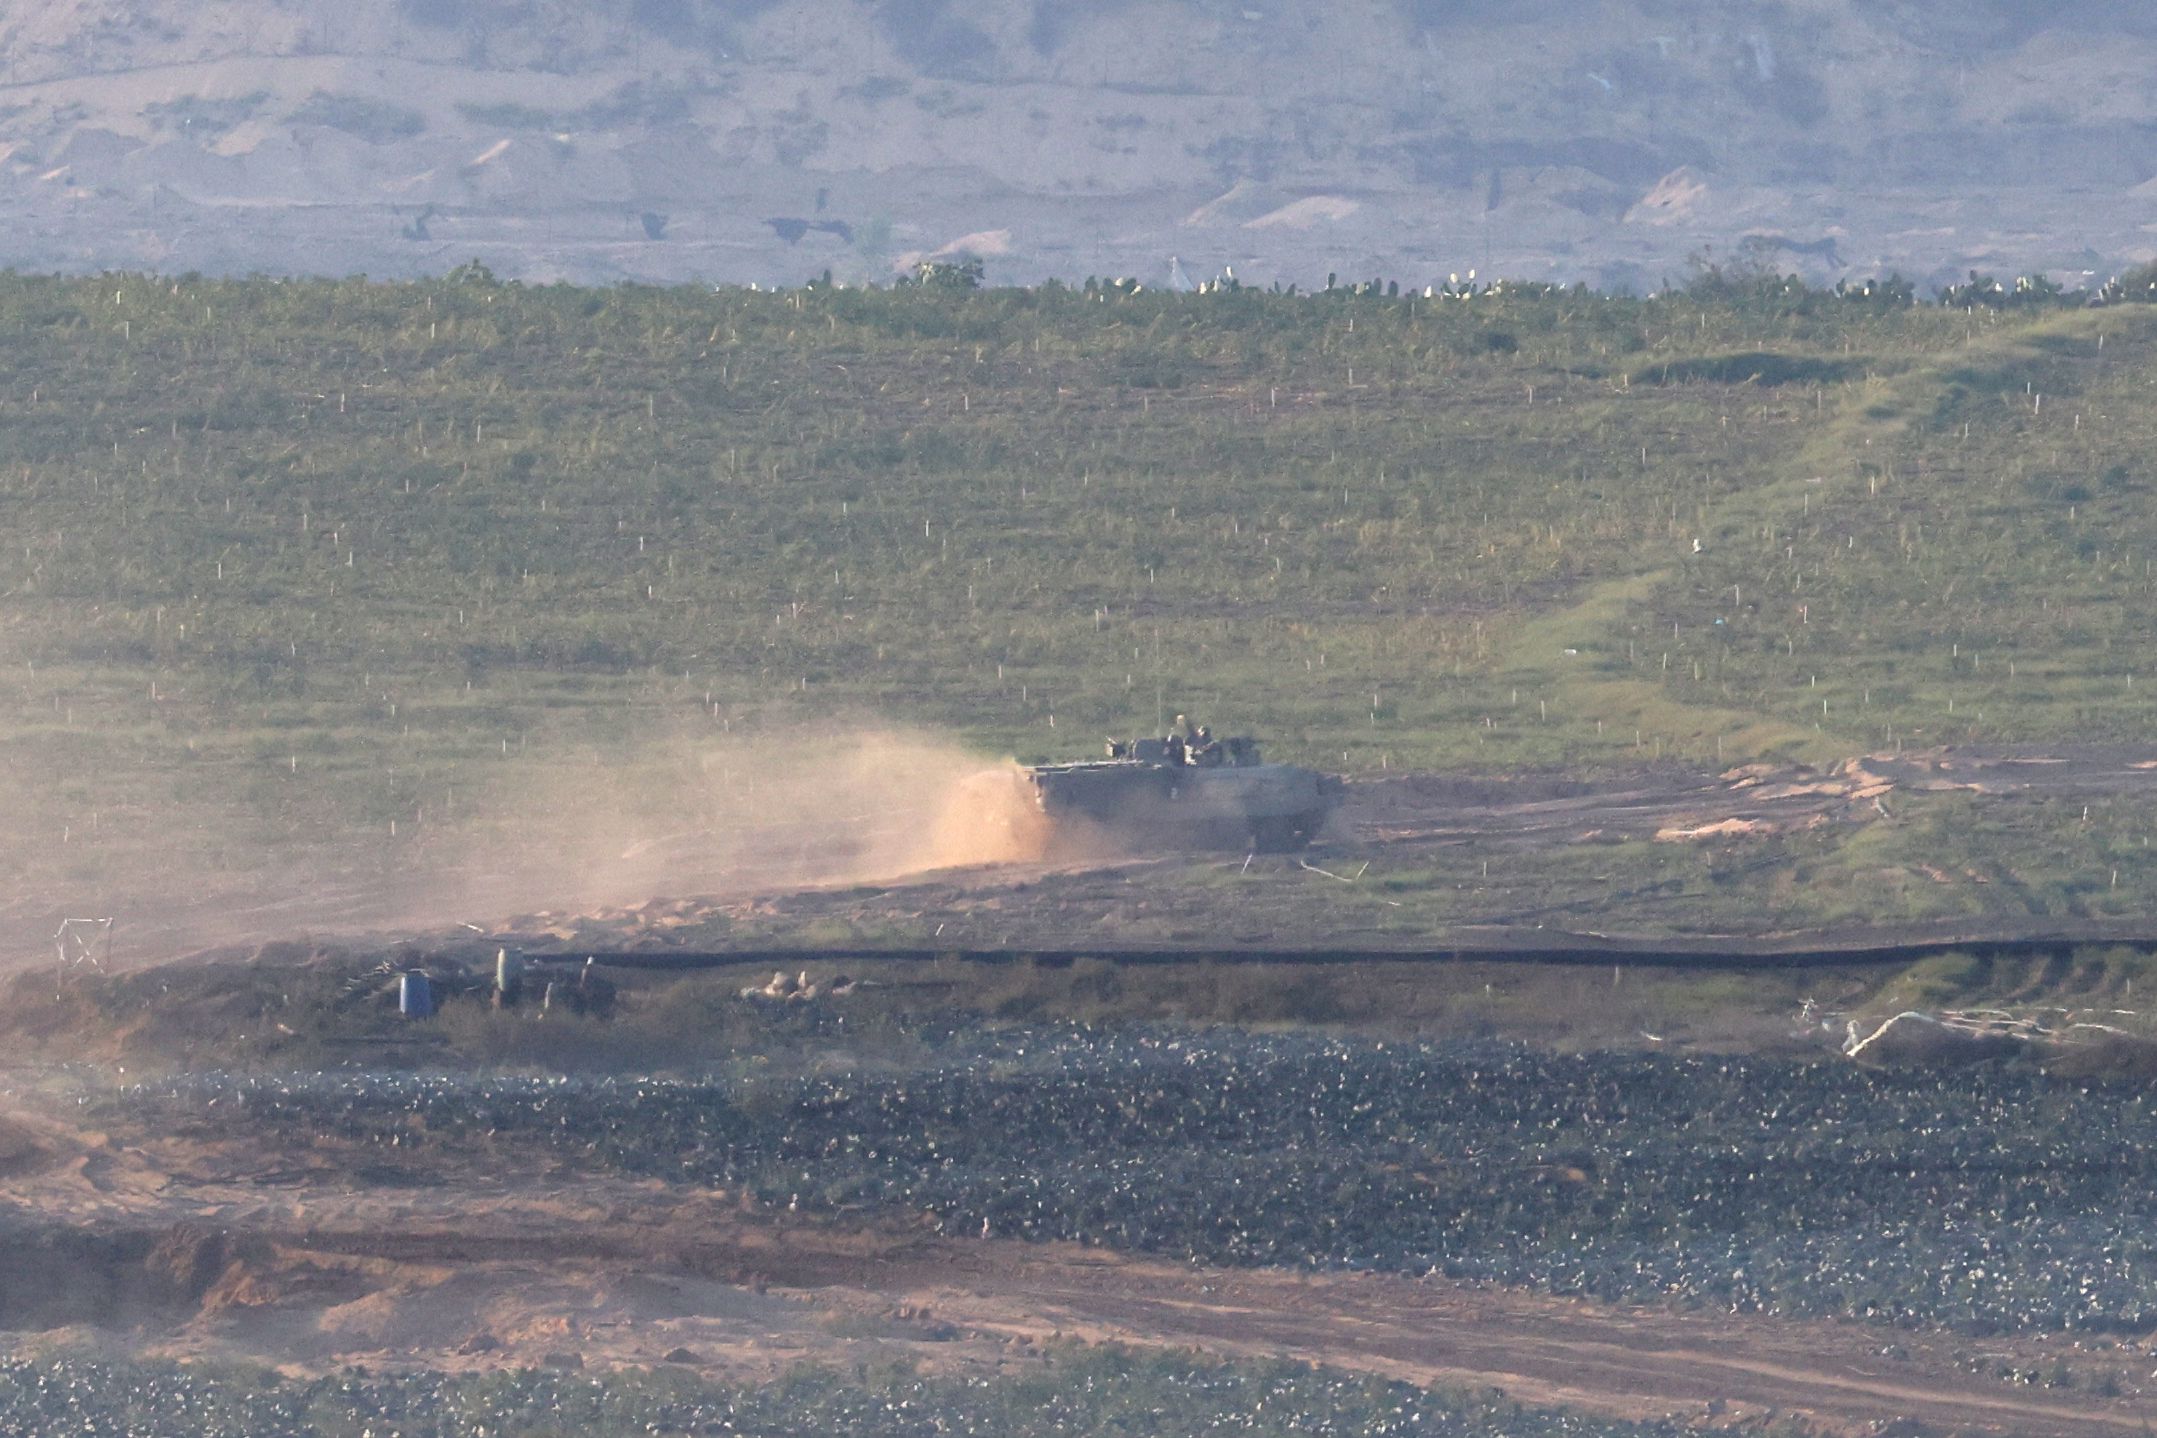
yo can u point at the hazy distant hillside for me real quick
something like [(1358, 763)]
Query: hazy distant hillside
[(770, 139)]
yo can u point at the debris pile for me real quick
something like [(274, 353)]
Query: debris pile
[(798, 988)]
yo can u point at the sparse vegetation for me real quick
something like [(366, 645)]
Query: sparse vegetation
[(314, 558), (636, 102), (292, 1007), (509, 115), (937, 41), (202, 118), (376, 121)]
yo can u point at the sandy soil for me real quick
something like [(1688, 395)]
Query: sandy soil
[(313, 1260)]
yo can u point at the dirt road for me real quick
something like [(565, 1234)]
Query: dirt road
[(1673, 804), (179, 1249), (1390, 817), (1549, 886)]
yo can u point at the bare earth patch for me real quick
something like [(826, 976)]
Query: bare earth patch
[(202, 1251)]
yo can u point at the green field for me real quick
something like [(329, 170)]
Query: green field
[(292, 563)]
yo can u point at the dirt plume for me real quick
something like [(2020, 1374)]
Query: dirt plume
[(987, 817), (570, 825), (736, 816)]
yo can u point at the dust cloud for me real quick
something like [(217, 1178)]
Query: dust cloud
[(568, 828), (988, 817), (727, 818)]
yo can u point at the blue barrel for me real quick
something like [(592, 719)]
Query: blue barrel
[(415, 996)]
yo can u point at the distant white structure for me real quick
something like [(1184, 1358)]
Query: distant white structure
[(1178, 281)]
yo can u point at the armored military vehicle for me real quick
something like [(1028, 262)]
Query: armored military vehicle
[(1193, 791)]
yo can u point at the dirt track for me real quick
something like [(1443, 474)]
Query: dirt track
[(315, 1260), (1395, 814), (1144, 907), (1757, 798)]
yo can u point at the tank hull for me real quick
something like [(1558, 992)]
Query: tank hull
[(1266, 807)]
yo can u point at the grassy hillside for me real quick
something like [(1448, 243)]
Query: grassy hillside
[(291, 562)]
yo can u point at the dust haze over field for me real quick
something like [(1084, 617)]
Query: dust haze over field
[(715, 817), (567, 828)]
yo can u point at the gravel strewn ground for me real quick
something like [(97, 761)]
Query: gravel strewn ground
[(1075, 1396), (1991, 1199)]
